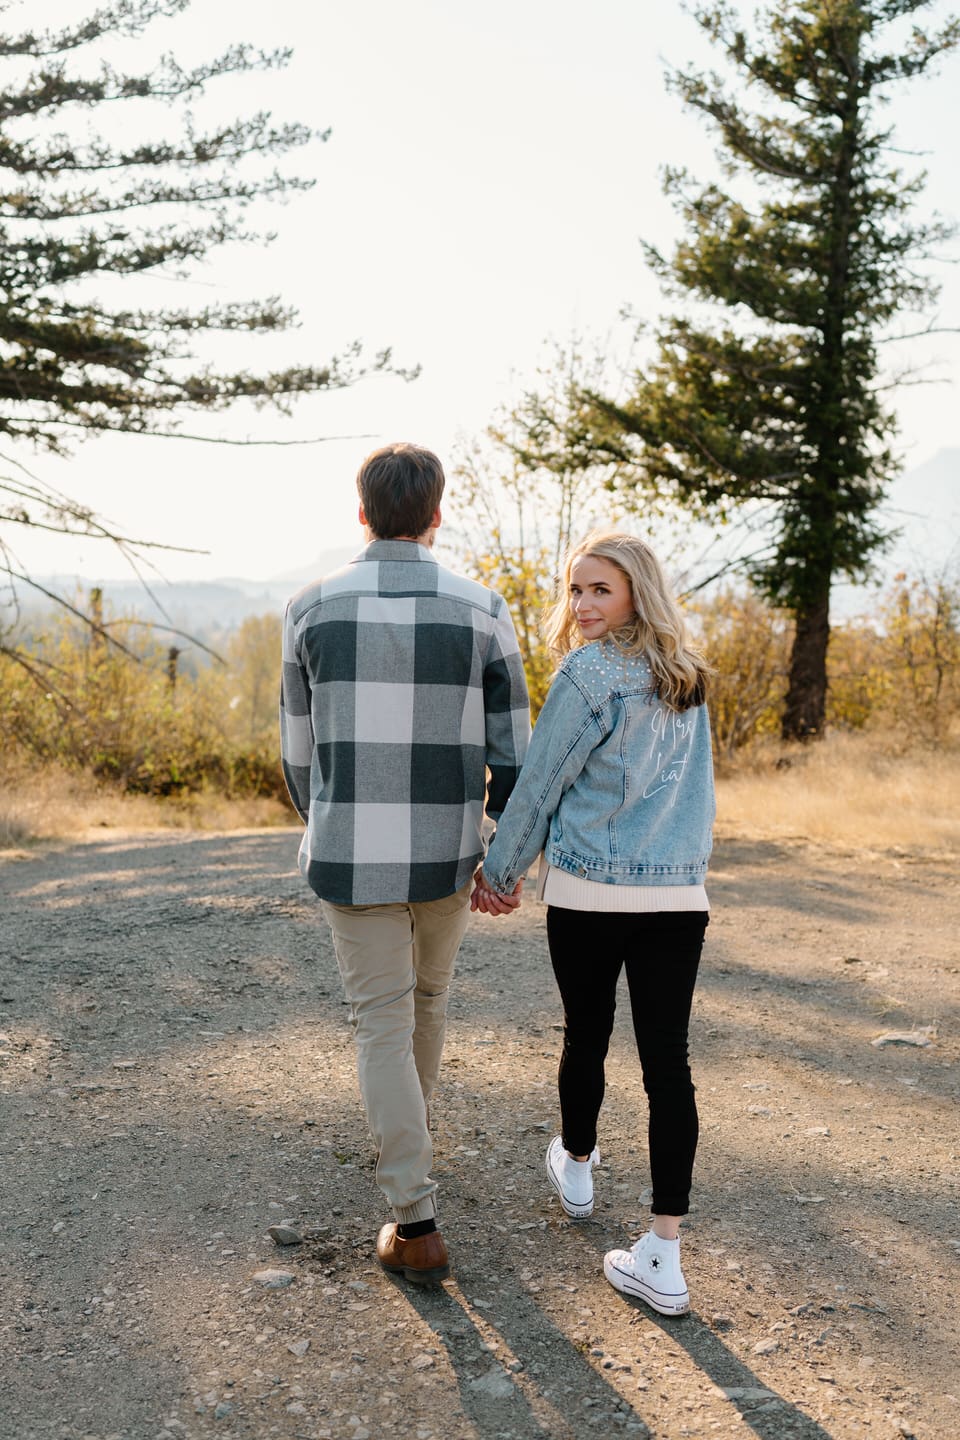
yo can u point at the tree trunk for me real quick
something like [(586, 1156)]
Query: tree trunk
[(805, 707), (828, 431)]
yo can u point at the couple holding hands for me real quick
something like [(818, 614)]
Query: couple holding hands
[(404, 719)]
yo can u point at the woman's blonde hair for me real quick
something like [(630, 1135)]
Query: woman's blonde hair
[(657, 631)]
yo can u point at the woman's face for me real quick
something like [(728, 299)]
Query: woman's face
[(600, 597)]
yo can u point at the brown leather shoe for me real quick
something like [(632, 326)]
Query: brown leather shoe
[(422, 1261)]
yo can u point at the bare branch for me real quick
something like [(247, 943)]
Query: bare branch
[(97, 629), (223, 440), (32, 665), (918, 334), (737, 562), (166, 630)]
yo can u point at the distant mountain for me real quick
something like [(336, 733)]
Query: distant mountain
[(924, 504), (198, 606), (326, 561)]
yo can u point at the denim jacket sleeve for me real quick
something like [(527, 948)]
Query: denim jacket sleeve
[(567, 730)]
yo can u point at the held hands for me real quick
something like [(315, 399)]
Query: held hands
[(488, 900)]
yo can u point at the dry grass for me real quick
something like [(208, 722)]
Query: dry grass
[(851, 791), (53, 803)]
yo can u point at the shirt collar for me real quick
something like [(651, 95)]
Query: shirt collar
[(395, 550)]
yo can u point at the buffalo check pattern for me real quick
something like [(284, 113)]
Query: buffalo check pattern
[(403, 716)]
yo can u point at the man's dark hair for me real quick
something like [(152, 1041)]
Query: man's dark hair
[(400, 487)]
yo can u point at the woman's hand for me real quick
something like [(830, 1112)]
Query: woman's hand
[(490, 901)]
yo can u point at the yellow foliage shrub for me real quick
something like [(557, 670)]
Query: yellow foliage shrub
[(151, 721), (126, 715)]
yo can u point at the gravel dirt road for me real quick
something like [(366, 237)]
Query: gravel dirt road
[(177, 1075)]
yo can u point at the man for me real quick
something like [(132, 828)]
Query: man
[(402, 689)]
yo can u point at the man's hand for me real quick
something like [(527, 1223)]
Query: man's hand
[(488, 900)]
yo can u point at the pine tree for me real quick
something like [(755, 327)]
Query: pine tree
[(818, 255), (73, 211)]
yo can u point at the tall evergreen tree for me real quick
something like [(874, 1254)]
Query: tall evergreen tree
[(813, 261), (76, 210)]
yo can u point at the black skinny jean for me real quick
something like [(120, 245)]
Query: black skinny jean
[(661, 954)]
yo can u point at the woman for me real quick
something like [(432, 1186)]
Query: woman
[(617, 790)]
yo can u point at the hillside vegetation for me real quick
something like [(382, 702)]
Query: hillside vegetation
[(107, 726)]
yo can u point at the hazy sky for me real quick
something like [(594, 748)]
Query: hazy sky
[(488, 176)]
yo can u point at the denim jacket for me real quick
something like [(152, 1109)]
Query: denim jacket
[(615, 787)]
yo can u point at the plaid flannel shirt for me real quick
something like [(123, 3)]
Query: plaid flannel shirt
[(402, 687)]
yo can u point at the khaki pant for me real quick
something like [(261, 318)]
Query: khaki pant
[(396, 963)]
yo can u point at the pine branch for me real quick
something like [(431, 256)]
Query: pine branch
[(23, 205), (49, 90), (127, 17), (254, 136), (71, 366)]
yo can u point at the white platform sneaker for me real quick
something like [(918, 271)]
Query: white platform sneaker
[(651, 1271), (572, 1179)]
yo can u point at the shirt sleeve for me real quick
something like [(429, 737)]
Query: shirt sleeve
[(296, 721), (567, 730), (506, 711)]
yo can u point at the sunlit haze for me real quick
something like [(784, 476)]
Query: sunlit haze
[(489, 174)]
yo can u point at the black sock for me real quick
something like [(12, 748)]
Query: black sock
[(415, 1228)]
